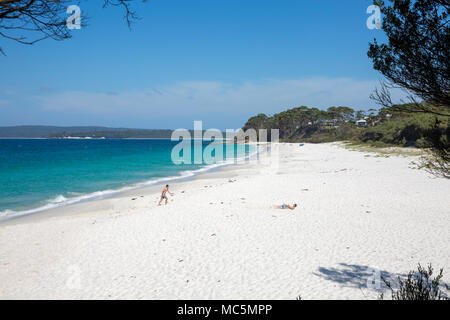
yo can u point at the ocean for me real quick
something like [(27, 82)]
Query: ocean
[(39, 174)]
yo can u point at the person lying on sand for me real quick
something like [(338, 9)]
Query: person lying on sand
[(164, 194), (287, 206)]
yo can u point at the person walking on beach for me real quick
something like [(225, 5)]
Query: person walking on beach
[(164, 194)]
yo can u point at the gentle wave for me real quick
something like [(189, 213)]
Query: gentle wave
[(61, 200)]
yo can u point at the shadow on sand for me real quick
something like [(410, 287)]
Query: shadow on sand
[(358, 276), (367, 278)]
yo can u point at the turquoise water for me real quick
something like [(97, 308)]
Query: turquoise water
[(41, 174)]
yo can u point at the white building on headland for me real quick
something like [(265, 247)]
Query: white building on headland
[(361, 123)]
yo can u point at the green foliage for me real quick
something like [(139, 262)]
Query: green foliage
[(437, 138), (256, 122), (404, 130), (416, 55), (344, 132), (416, 59), (418, 286), (388, 127), (307, 124)]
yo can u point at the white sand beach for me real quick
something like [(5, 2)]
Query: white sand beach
[(220, 238)]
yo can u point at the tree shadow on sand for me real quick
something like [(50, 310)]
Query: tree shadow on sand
[(358, 276), (366, 278)]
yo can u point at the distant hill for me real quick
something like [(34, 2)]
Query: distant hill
[(386, 127), (82, 131)]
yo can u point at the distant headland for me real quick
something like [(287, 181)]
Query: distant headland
[(82, 132)]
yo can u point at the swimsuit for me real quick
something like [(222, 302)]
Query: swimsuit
[(283, 206)]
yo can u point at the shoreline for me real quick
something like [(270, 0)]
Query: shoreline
[(102, 203), (52, 209), (221, 238)]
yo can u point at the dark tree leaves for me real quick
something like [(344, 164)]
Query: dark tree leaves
[(416, 57), (30, 21)]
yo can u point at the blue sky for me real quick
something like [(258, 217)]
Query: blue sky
[(219, 61)]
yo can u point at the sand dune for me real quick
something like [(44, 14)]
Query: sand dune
[(220, 238)]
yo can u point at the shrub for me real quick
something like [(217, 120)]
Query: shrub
[(418, 286), (412, 130)]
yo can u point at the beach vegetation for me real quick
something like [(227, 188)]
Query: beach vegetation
[(415, 58), (389, 128), (418, 285)]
